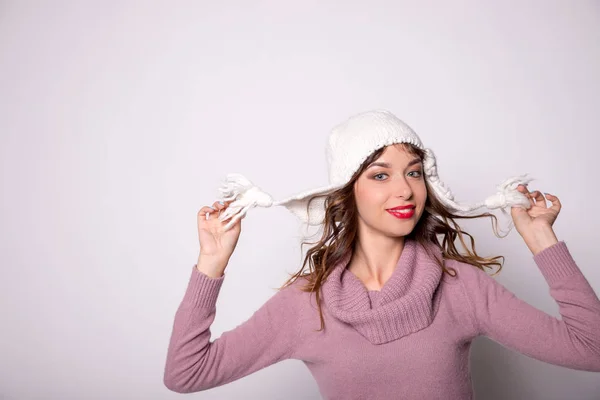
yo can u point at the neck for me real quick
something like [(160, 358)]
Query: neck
[(374, 259)]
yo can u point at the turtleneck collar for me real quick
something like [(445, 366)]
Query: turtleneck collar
[(406, 303)]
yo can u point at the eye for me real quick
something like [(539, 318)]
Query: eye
[(375, 176), (418, 172)]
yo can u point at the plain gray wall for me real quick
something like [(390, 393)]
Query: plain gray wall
[(119, 120)]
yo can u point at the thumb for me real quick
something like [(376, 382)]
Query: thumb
[(518, 213)]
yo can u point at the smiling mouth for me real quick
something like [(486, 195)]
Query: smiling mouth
[(402, 214)]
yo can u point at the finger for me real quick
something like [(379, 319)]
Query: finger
[(233, 221), (205, 212), (219, 205), (517, 210), (523, 189), (556, 204), (206, 209), (540, 200)]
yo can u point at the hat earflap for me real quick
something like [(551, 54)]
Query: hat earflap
[(506, 196)]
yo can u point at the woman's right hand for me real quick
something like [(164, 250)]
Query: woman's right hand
[(216, 244)]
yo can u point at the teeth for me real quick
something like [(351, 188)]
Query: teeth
[(402, 212)]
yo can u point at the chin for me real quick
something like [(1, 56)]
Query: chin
[(396, 228), (403, 228), (402, 233), (399, 231)]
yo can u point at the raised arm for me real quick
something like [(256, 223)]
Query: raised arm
[(572, 342), (194, 363)]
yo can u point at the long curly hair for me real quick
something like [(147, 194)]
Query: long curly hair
[(340, 227)]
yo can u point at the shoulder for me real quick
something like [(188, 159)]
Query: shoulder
[(467, 275), (295, 286), (292, 294), (298, 307)]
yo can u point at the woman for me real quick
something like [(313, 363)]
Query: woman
[(396, 309)]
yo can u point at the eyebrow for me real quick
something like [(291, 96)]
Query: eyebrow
[(388, 165)]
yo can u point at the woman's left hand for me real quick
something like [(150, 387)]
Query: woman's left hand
[(535, 224)]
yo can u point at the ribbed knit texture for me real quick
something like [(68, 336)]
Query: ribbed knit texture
[(351, 141), (405, 304), (411, 340)]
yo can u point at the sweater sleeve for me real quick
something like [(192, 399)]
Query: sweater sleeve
[(572, 342), (195, 363)]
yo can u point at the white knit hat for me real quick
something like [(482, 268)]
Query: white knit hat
[(350, 143)]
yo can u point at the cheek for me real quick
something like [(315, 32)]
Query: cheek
[(422, 196), (369, 196), (423, 193), (368, 200)]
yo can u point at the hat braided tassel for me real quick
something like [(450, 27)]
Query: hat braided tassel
[(507, 194), (244, 194)]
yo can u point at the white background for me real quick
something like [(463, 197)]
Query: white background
[(119, 120)]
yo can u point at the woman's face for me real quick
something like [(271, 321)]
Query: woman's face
[(393, 180)]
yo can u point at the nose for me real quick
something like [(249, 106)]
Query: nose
[(402, 187)]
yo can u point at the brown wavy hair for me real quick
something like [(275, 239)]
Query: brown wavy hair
[(340, 226)]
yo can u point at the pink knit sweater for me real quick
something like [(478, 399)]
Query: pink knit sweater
[(410, 340)]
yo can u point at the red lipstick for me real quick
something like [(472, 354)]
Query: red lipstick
[(402, 207), (402, 212)]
